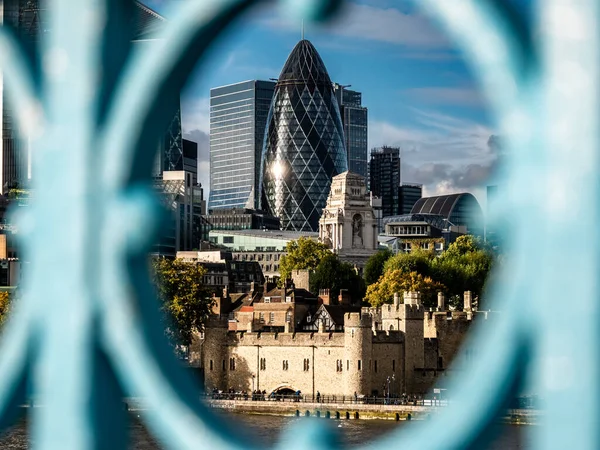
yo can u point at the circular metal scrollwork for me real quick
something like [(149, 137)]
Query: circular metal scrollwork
[(86, 331)]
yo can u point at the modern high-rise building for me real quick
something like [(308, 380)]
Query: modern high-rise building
[(384, 174), (28, 19), (355, 121), (304, 147), (409, 194), (238, 119), (25, 17)]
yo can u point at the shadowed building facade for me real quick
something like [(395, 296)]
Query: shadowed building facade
[(304, 147), (384, 173)]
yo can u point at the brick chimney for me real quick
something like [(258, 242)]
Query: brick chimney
[(324, 297), (344, 297)]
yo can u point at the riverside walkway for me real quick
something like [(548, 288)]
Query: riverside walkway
[(352, 410)]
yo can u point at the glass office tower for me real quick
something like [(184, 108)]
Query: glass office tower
[(384, 174), (238, 119), (304, 147), (355, 121), (409, 194)]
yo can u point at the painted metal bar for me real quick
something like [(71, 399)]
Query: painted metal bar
[(87, 331)]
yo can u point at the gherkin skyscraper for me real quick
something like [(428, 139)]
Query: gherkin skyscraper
[(304, 143)]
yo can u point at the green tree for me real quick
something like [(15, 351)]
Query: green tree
[(464, 266), (418, 260), (185, 302), (374, 266), (397, 281), (333, 274), (303, 254)]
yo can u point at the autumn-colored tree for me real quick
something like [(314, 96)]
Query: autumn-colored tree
[(303, 254), (4, 306), (184, 300), (397, 281)]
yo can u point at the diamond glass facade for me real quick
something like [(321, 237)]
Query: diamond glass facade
[(304, 147), (238, 119)]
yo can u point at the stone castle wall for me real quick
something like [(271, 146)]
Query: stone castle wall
[(450, 329), (412, 354), (299, 361), (301, 279)]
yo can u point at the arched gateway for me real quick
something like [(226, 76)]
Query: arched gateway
[(284, 390)]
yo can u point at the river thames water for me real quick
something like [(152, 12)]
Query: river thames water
[(353, 432)]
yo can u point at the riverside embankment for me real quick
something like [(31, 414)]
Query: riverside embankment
[(353, 411)]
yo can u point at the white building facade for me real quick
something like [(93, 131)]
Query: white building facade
[(348, 225)]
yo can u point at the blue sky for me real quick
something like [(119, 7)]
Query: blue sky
[(420, 93)]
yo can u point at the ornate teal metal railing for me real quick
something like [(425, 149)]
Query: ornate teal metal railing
[(86, 332)]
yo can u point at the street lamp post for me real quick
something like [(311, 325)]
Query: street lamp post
[(388, 380)]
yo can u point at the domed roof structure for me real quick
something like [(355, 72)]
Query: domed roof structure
[(305, 65), (461, 209), (304, 142)]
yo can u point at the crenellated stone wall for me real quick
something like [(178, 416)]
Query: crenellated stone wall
[(410, 350)]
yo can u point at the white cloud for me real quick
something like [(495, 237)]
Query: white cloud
[(204, 176), (446, 154), (195, 114), (373, 23), (195, 124)]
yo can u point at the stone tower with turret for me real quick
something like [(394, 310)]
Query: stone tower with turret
[(215, 354), (358, 349), (411, 315), (347, 225)]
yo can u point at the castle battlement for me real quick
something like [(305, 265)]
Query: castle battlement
[(412, 312), (446, 316), (357, 320), (401, 337), (266, 339), (388, 336)]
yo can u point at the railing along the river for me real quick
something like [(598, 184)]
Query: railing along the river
[(519, 403)]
